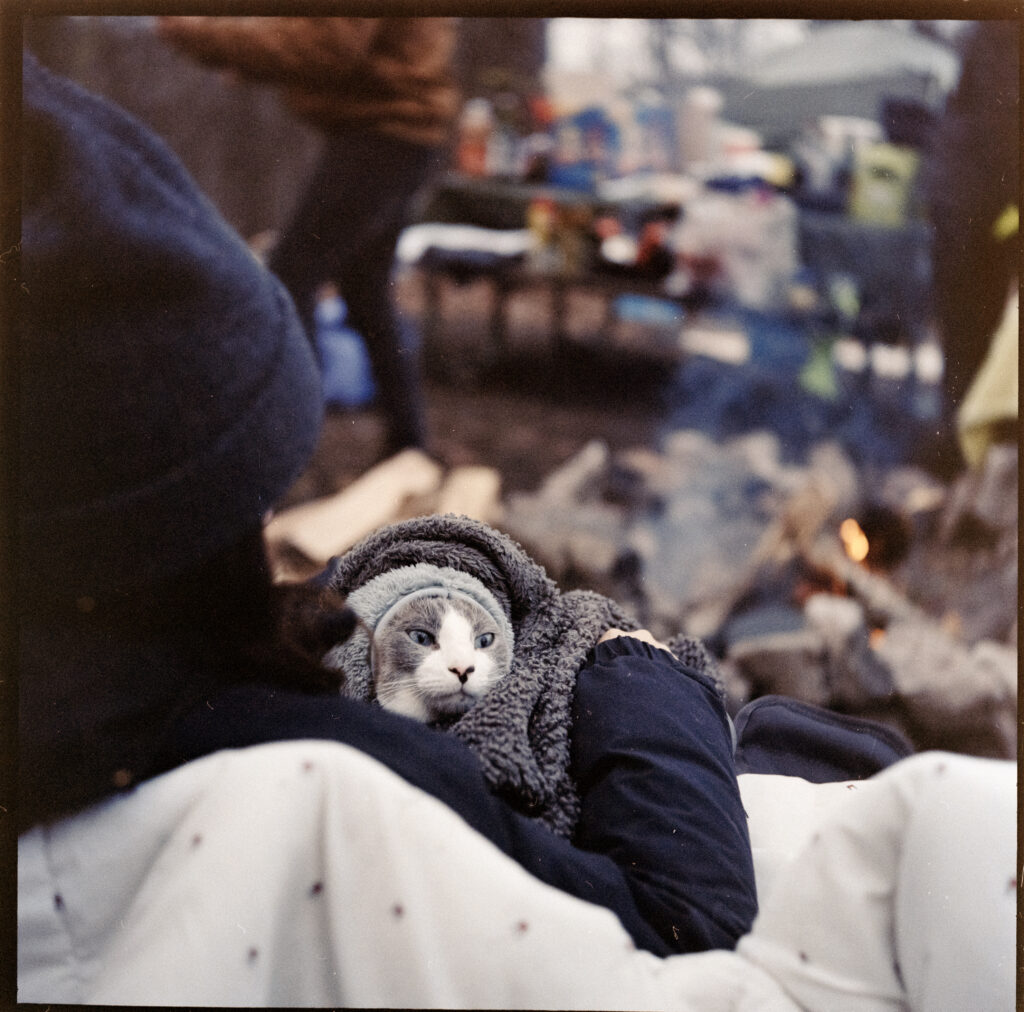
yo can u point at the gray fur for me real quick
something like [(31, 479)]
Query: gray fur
[(372, 599), (416, 678), (521, 730)]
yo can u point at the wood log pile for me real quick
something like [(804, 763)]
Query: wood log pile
[(730, 543), (302, 539)]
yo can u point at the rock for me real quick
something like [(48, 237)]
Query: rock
[(652, 466), (996, 501), (855, 675), (630, 488), (660, 612), (837, 618), (786, 664), (835, 475), (763, 620), (982, 506), (954, 697), (911, 492), (686, 537), (685, 447), (593, 555), (759, 452), (578, 543)]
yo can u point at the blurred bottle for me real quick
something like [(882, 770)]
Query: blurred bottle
[(476, 125), (544, 256), (929, 367), (698, 125), (502, 160), (538, 145)]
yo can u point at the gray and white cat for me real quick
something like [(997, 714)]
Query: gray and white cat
[(433, 657)]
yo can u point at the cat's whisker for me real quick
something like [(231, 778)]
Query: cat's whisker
[(393, 689)]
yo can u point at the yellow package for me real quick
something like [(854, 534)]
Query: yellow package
[(882, 186)]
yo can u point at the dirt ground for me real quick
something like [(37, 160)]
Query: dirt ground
[(524, 413)]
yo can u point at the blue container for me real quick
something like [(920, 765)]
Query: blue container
[(346, 373), (585, 149), (649, 310)]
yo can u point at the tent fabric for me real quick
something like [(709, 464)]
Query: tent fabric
[(856, 51), (994, 394)]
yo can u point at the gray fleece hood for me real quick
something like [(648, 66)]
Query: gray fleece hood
[(521, 730), (376, 598)]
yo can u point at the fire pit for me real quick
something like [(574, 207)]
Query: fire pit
[(799, 584)]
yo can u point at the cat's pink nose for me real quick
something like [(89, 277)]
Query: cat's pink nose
[(462, 673)]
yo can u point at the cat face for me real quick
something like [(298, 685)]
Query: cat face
[(436, 656)]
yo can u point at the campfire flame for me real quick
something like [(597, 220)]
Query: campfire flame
[(855, 541)]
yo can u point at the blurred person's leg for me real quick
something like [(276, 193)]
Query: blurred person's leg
[(298, 257), (972, 273), (345, 231)]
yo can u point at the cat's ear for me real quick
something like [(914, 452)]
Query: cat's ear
[(314, 618)]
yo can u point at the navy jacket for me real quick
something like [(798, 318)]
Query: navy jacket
[(662, 839)]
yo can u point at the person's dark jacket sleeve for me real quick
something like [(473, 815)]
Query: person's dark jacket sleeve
[(630, 868), (652, 756)]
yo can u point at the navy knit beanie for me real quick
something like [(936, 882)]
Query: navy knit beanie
[(168, 393)]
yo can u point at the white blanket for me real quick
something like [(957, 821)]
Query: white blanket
[(305, 873)]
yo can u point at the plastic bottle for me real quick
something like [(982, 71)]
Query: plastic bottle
[(475, 128), (929, 367)]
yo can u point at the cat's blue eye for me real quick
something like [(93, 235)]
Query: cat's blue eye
[(421, 637), (484, 640)]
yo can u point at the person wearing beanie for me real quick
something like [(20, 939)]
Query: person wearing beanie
[(205, 819), (167, 400), (382, 94)]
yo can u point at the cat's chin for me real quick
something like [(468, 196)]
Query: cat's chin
[(454, 705)]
